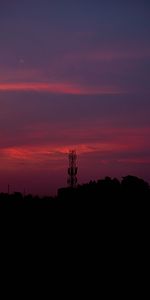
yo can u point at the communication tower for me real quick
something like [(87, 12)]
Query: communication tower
[(72, 170)]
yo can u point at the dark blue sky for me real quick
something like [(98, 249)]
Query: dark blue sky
[(73, 74)]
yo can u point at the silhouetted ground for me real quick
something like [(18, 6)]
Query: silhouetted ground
[(103, 223), (104, 199)]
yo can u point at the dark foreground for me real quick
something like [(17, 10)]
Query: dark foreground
[(101, 225), (106, 200)]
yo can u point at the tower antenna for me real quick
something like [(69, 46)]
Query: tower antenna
[(72, 170)]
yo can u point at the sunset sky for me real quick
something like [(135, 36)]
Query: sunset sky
[(73, 75)]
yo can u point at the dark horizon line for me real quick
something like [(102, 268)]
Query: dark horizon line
[(24, 194)]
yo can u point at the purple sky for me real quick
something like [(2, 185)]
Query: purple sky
[(73, 75)]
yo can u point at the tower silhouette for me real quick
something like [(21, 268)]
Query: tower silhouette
[(72, 170)]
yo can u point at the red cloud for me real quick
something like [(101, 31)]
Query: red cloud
[(59, 88)]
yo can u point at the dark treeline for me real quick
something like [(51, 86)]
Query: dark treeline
[(91, 194), (100, 207)]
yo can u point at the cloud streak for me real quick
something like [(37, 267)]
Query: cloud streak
[(35, 155), (59, 88)]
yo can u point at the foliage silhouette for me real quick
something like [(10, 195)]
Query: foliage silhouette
[(106, 209), (91, 194)]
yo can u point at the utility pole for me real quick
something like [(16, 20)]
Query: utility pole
[(8, 189)]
